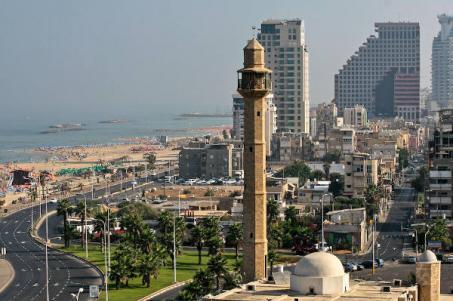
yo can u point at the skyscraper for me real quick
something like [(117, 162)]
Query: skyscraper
[(254, 84), (390, 60), (442, 62), (287, 56)]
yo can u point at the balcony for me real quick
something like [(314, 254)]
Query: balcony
[(440, 187), (442, 174), (440, 200), (440, 213)]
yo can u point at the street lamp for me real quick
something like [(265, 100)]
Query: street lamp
[(76, 297), (85, 230), (106, 274), (322, 219)]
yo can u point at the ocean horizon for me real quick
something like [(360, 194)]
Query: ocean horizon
[(18, 139)]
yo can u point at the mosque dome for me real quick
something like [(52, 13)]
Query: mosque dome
[(319, 264), (427, 257)]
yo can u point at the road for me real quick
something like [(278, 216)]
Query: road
[(66, 273)]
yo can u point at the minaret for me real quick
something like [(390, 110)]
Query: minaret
[(428, 276), (254, 83)]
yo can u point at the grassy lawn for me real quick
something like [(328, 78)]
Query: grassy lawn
[(186, 265)]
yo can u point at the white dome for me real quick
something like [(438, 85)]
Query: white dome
[(427, 257), (319, 264)]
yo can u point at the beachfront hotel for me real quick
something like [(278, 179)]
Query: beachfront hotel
[(384, 73)]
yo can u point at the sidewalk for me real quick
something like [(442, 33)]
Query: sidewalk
[(6, 274)]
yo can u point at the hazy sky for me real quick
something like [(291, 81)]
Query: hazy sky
[(113, 59)]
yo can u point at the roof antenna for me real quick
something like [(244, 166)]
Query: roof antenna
[(255, 32)]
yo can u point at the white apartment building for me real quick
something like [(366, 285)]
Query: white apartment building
[(270, 120), (356, 116), (442, 62), (287, 57), (386, 60)]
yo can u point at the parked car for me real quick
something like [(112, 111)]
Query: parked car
[(409, 259), (190, 182), (349, 267), (360, 267), (447, 258), (380, 262), (368, 264), (210, 182), (53, 201)]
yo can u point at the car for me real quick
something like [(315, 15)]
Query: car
[(211, 181), (53, 201), (159, 201), (201, 182), (190, 182), (349, 267), (229, 182), (360, 267), (447, 258), (380, 262), (368, 264), (409, 259)]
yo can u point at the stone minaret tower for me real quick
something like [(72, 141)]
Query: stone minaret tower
[(254, 83), (428, 277)]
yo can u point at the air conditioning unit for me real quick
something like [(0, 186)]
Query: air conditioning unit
[(386, 289), (397, 282)]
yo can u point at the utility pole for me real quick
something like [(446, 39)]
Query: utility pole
[(374, 239), (174, 248)]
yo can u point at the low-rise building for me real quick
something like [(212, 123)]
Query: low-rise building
[(361, 171), (356, 116), (347, 229), (287, 147), (338, 140), (208, 161)]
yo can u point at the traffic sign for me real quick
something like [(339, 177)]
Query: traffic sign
[(94, 291)]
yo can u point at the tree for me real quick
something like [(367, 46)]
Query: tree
[(149, 264), (201, 285), (234, 237), (316, 174), (134, 226), (64, 208), (333, 156), (166, 226), (217, 266), (213, 235), (150, 159), (272, 256), (439, 232), (420, 181), (297, 169), (326, 167), (79, 210), (336, 186), (198, 235), (273, 211), (403, 159), (124, 265)]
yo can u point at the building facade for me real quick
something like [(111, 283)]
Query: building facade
[(442, 62), (356, 116), (361, 171), (209, 161), (440, 194), (396, 46), (287, 55)]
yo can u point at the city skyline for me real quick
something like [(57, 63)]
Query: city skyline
[(104, 58)]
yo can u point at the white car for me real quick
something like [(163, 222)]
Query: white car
[(53, 201), (190, 182), (210, 182)]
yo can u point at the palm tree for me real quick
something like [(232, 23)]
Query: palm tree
[(79, 210), (124, 265), (273, 211), (64, 208), (272, 256), (133, 224), (198, 235), (213, 239), (150, 264), (234, 237), (217, 266), (166, 222)]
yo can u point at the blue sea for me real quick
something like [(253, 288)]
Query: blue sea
[(19, 138)]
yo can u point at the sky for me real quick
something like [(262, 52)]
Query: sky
[(116, 59)]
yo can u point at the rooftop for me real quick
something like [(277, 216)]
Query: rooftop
[(360, 290)]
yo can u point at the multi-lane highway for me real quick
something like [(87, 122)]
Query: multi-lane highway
[(66, 273)]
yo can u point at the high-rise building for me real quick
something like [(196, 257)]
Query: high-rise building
[(442, 62), (270, 119), (440, 193), (287, 56), (254, 84), (394, 52)]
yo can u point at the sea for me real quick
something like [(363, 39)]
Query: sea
[(18, 139)]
